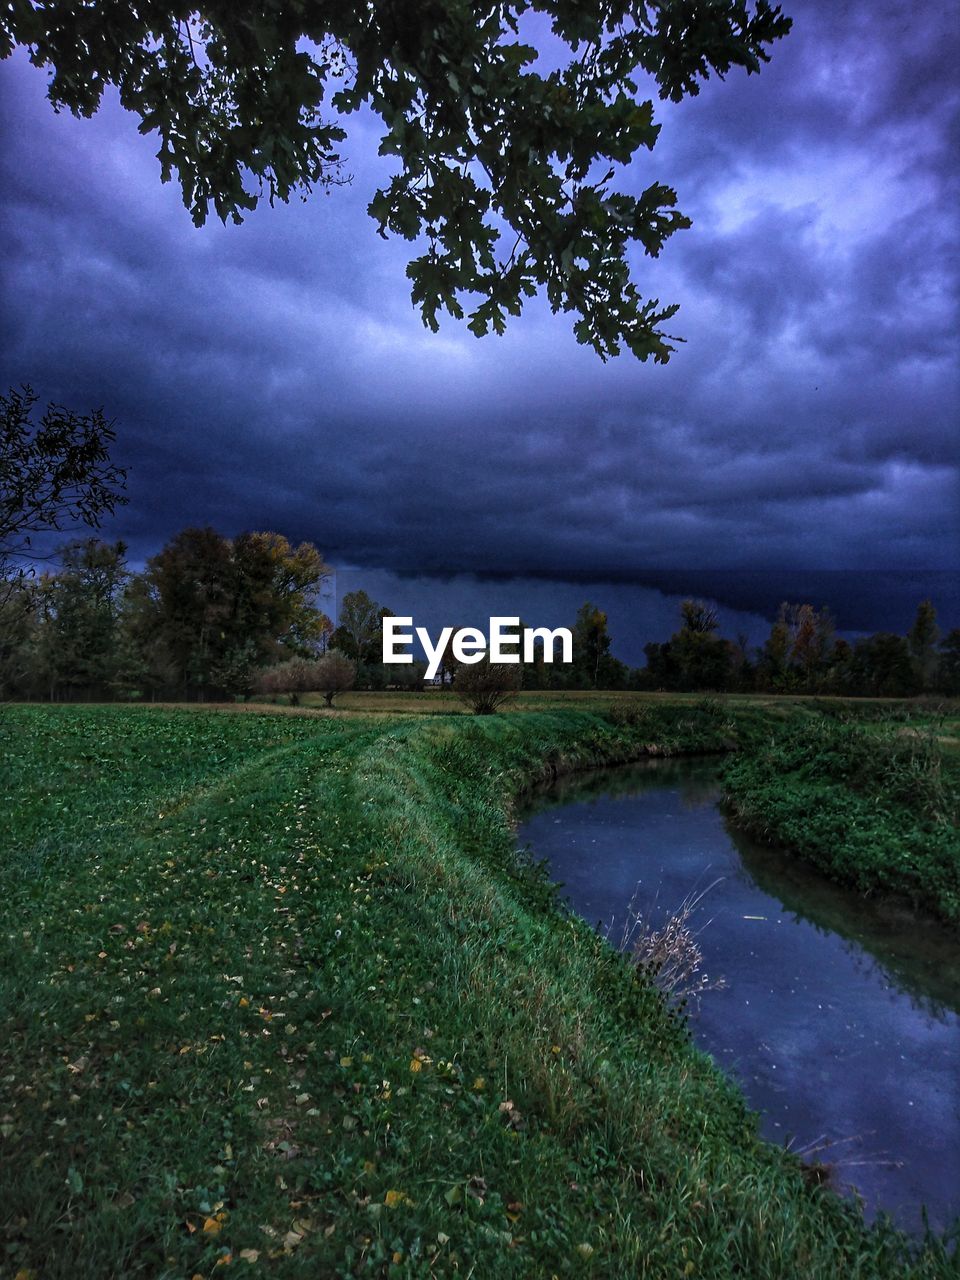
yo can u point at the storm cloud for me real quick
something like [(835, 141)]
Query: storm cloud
[(275, 374)]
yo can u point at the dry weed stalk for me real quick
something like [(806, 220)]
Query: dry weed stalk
[(668, 953)]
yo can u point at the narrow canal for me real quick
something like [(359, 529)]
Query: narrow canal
[(840, 1018)]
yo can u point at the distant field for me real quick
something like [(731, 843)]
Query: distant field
[(277, 996), (945, 712), (939, 715)]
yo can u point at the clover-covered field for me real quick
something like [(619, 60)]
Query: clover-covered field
[(279, 998)]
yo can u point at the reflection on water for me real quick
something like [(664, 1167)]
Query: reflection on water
[(841, 1016)]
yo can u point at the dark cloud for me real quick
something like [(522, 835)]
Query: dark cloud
[(275, 374)]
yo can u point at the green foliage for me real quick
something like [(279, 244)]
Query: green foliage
[(359, 632), (80, 611), (209, 611), (922, 641), (591, 645), (628, 712), (874, 806), (489, 151), (950, 663), (880, 666), (695, 656), (236, 672), (53, 473), (206, 613), (278, 989)]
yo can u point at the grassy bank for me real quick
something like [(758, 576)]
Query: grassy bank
[(278, 998), (874, 805)]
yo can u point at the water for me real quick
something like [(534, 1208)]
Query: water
[(840, 1018)]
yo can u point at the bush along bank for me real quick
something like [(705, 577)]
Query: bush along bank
[(873, 806)]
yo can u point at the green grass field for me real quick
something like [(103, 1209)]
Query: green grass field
[(279, 999)]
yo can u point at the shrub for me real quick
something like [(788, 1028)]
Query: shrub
[(486, 686), (334, 673), (328, 675), (293, 677)]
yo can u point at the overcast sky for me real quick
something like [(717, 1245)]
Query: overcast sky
[(275, 375)]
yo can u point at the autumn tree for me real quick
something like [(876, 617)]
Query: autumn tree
[(505, 176), (537, 674), (274, 604), (19, 638), (774, 667), (798, 652), (292, 677), (236, 671), (144, 663), (324, 633), (663, 666), (220, 609), (743, 670)]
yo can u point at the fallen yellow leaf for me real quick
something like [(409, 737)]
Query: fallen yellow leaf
[(394, 1197)]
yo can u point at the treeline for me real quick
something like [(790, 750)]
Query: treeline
[(211, 617), (204, 619), (803, 654)]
